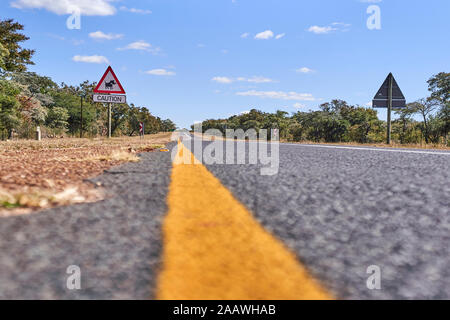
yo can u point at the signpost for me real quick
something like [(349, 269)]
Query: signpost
[(389, 96), (107, 91), (141, 129)]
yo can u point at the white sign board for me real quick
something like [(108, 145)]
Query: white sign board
[(105, 98)]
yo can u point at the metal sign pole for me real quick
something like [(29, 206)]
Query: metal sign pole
[(109, 120), (389, 109), (81, 120)]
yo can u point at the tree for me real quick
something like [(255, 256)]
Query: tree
[(406, 123), (362, 122), (35, 86), (9, 114), (296, 130), (334, 106), (3, 55), (425, 107), (168, 126), (57, 119), (439, 85), (118, 117), (16, 58)]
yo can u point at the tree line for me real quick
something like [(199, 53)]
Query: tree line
[(28, 100), (338, 121)]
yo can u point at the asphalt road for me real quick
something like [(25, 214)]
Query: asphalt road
[(343, 210), (115, 242), (340, 210)]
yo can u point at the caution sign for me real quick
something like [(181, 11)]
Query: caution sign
[(109, 83), (106, 98)]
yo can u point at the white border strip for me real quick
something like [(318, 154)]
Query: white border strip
[(367, 149)]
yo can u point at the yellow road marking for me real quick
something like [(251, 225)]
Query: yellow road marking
[(215, 249)]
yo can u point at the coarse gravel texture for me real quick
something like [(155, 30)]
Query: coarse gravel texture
[(343, 210), (116, 242)]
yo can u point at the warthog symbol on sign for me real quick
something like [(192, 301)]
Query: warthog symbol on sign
[(109, 85)]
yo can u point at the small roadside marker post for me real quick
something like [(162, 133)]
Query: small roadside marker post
[(38, 133), (141, 130), (106, 91), (389, 96)]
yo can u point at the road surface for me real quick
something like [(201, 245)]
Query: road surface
[(226, 231)]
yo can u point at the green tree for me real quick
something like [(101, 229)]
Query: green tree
[(296, 130), (362, 122), (9, 114), (425, 108), (35, 86), (439, 85), (119, 114), (168, 126), (57, 119), (406, 124), (16, 58), (3, 55)]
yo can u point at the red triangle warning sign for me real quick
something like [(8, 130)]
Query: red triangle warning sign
[(109, 83)]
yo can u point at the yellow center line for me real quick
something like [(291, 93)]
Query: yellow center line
[(215, 250)]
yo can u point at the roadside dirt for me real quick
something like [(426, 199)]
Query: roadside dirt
[(36, 175)]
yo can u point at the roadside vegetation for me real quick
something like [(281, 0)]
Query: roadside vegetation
[(28, 100), (337, 121), (42, 174)]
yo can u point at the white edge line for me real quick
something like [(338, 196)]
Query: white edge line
[(368, 149)]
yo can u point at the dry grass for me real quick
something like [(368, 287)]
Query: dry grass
[(51, 172), (75, 143)]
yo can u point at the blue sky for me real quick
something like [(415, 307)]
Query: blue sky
[(190, 60)]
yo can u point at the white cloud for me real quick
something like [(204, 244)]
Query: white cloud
[(335, 26), (245, 35), (304, 70), (342, 24), (279, 36), (90, 59), (104, 36), (141, 45), (77, 42), (85, 7), (299, 106), (160, 72), (222, 80), (134, 10), (258, 80), (321, 30), (281, 95), (265, 35), (254, 79)]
